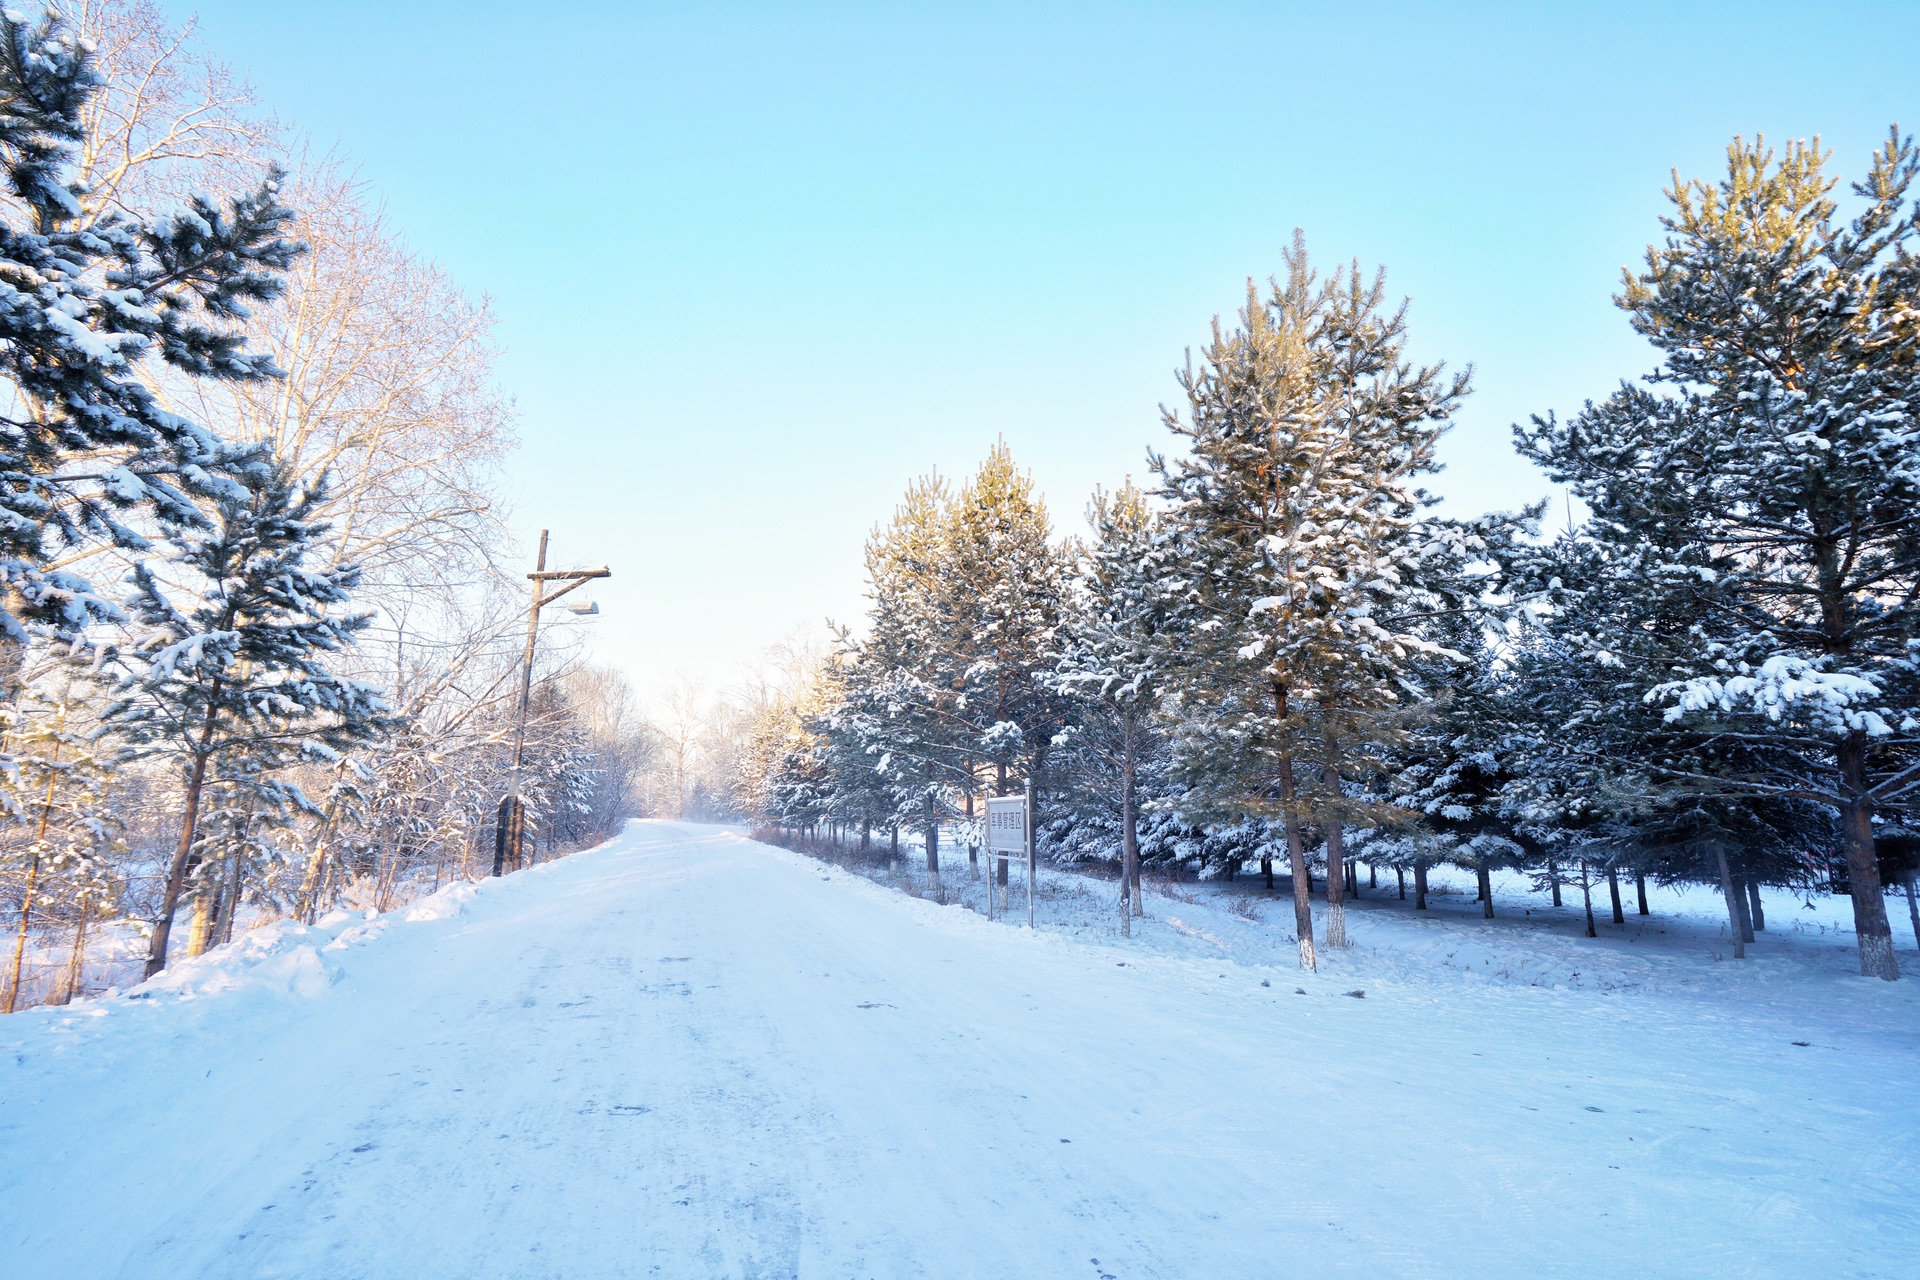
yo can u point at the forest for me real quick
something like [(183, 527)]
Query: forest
[(262, 636), (1277, 653)]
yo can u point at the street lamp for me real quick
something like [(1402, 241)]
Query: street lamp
[(511, 820)]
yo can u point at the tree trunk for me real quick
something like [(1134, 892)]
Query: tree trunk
[(1870, 926), (1613, 890), (1400, 876), (223, 928), (1728, 892), (1755, 910), (1486, 891), (1336, 859), (1553, 880), (1373, 877), (1420, 885), (1913, 909), (973, 850), (1129, 842), (1266, 872), (1296, 856), (1740, 900), (1640, 887), (33, 876), (1296, 848), (200, 929), (20, 938), (1139, 899), (78, 962), (1586, 896), (933, 851)]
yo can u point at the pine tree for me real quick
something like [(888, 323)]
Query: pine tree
[(1451, 768), (1111, 658), (1600, 776), (240, 672), (1308, 573), (1008, 584), (90, 302), (239, 842), (1769, 472), (905, 705)]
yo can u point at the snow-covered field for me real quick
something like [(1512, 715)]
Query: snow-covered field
[(688, 1055)]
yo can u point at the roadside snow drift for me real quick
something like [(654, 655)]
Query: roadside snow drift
[(688, 1055)]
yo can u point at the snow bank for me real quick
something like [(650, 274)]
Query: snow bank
[(290, 959)]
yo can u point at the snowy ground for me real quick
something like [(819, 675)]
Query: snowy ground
[(688, 1055)]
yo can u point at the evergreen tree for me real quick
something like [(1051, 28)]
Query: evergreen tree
[(91, 300), (1111, 657), (1008, 584), (1602, 776), (1307, 571), (1450, 770), (1768, 473), (905, 706), (239, 673), (240, 846)]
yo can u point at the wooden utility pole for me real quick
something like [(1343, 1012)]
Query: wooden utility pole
[(510, 822)]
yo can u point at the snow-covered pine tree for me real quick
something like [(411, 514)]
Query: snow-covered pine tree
[(1783, 412), (905, 705), (1450, 767), (1600, 776), (798, 791), (1111, 656), (1308, 571), (1007, 587), (859, 795), (92, 301), (240, 668), (240, 848)]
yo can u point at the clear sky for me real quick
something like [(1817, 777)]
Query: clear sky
[(756, 266)]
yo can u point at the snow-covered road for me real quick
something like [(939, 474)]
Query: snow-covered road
[(688, 1055)]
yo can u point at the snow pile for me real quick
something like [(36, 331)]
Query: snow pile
[(292, 959)]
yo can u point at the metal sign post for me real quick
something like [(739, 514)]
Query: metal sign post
[(1029, 834), (1010, 832)]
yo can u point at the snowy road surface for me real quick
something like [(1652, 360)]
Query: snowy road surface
[(687, 1055)]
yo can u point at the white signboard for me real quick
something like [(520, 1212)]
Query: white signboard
[(1007, 824)]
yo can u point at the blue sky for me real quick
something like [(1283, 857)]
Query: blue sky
[(758, 265)]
